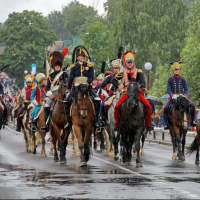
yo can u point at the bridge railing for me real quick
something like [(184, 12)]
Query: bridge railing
[(163, 132)]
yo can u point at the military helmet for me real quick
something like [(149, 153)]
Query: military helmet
[(29, 80), (40, 77), (176, 64), (116, 63), (100, 77)]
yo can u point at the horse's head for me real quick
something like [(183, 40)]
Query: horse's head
[(82, 99), (63, 87), (132, 93)]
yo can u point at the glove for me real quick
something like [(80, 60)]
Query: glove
[(34, 102), (174, 96), (50, 95), (110, 93)]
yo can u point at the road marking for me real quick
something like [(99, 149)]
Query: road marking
[(14, 131)]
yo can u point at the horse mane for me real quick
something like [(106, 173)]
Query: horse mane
[(181, 101), (77, 91)]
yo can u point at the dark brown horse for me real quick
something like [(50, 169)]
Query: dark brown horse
[(83, 114), (196, 143), (57, 123), (178, 127), (132, 121)]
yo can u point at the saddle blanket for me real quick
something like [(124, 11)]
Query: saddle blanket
[(110, 100), (39, 110)]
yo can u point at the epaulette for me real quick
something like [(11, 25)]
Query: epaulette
[(72, 65), (90, 64), (64, 71), (119, 75), (139, 70)]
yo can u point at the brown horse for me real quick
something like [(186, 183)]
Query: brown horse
[(196, 143), (56, 125), (178, 126), (40, 122), (83, 114)]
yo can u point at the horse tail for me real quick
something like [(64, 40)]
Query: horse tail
[(192, 147)]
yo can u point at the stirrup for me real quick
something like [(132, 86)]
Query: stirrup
[(67, 125), (45, 128)]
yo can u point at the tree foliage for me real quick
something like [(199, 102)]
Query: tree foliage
[(25, 35), (191, 54)]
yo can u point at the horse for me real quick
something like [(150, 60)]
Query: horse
[(195, 144), (57, 123), (83, 115), (28, 136), (178, 125), (132, 123), (8, 105), (114, 135)]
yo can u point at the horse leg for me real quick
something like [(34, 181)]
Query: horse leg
[(115, 144), (52, 146), (78, 133), (197, 156), (43, 153), (142, 149), (137, 147), (95, 140), (33, 140), (178, 139), (183, 147), (102, 146), (73, 143)]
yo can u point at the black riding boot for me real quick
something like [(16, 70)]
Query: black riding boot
[(193, 123), (67, 113), (46, 115), (97, 104), (19, 125)]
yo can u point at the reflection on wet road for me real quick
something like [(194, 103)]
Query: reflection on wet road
[(24, 175)]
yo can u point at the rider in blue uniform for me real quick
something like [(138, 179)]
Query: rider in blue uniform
[(177, 85), (86, 69), (4, 105), (53, 81)]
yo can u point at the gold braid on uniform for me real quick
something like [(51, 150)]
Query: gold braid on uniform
[(90, 64), (119, 76)]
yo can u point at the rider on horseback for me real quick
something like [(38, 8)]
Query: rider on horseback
[(81, 68), (116, 65), (123, 76), (177, 85), (4, 105), (53, 81), (26, 94), (38, 94)]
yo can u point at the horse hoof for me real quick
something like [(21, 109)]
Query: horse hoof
[(127, 163), (95, 148), (63, 161), (197, 162), (139, 165), (34, 152), (83, 164), (174, 158), (142, 153), (51, 153), (116, 158), (55, 160), (181, 158)]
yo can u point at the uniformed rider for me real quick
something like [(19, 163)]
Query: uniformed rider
[(26, 94), (123, 75), (53, 81), (4, 108), (81, 68), (177, 85)]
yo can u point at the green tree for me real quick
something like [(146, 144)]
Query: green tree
[(76, 15), (25, 35), (97, 42), (190, 54), (56, 22)]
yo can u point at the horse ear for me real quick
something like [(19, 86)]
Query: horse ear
[(129, 76)]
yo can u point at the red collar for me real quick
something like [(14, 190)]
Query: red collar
[(176, 76)]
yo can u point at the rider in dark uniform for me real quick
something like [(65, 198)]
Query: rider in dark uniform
[(177, 85), (85, 69), (53, 81), (4, 105)]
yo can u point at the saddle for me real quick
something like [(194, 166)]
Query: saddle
[(109, 101)]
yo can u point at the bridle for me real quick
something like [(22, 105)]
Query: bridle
[(83, 109)]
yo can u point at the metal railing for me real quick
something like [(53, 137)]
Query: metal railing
[(157, 129)]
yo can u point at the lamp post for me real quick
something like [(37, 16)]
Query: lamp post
[(148, 67)]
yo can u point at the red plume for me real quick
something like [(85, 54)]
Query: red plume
[(65, 51)]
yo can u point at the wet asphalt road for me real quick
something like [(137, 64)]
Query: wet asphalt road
[(27, 176)]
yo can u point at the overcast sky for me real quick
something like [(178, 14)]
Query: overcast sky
[(43, 6)]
